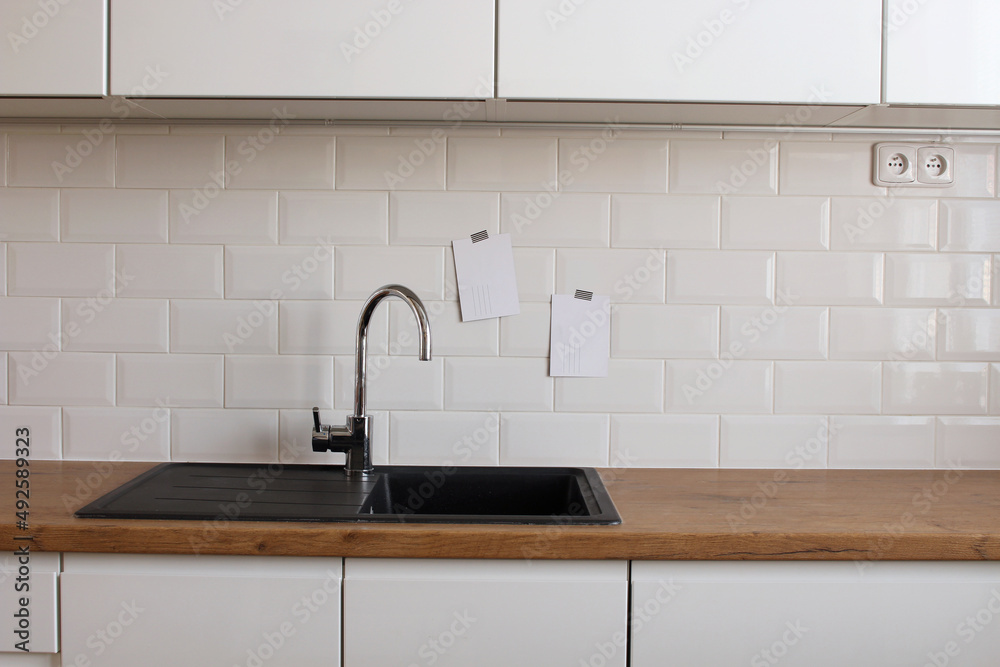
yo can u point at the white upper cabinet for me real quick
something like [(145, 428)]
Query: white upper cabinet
[(303, 48), (713, 50), (943, 52), (54, 47)]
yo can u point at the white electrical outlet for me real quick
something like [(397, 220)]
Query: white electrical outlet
[(895, 164), (934, 165), (910, 165)]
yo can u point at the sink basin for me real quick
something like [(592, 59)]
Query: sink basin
[(410, 494)]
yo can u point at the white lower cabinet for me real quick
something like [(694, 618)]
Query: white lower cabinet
[(29, 608), (826, 614), (225, 611), (457, 613)]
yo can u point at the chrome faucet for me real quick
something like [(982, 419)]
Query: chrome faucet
[(354, 438)]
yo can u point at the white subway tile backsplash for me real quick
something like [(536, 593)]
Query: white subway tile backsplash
[(665, 332), (994, 389), (535, 269), (29, 214), (526, 334), (503, 163), (223, 435), (715, 277), (664, 441), (827, 168), (399, 383), (285, 163), (215, 326), (438, 218), (390, 163), (969, 335), (52, 269), (766, 441), (664, 221), (115, 325), (66, 378), (967, 442), (452, 336), (831, 278), (444, 438), (565, 220), (353, 218), (360, 271), (631, 385), (231, 217), (60, 161), (170, 161), (883, 333), (29, 324), (969, 225), (329, 327), (883, 224), (925, 388), (503, 383), (775, 332), (831, 387), (285, 272), (720, 385), (279, 382), (113, 216), (598, 164), (170, 380), (534, 439), (118, 434), (165, 271), (295, 437), (938, 280), (633, 276), (775, 223), (723, 167), (45, 427), (881, 442)]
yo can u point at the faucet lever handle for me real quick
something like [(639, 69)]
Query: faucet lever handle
[(316, 424)]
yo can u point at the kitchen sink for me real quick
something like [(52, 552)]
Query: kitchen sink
[(407, 494)]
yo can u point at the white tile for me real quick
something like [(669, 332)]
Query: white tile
[(279, 382), (881, 442), (245, 327), (723, 167), (230, 217), (116, 325), (664, 221), (444, 438), (508, 163), (775, 223), (536, 273), (29, 323), (830, 387), (994, 389), (831, 278), (976, 170), (709, 277), (969, 225), (882, 333), (390, 163), (532, 439), (169, 161), (223, 435), (361, 271), (286, 272), (665, 441), (29, 214), (526, 334), (50, 269), (506, 383), (113, 216), (174, 380), (354, 218), (438, 218), (295, 437), (600, 164), (966, 442), (665, 332), (925, 388), (719, 385), (628, 276), (175, 272), (775, 332), (67, 378), (938, 280), (60, 161), (969, 334), (116, 434), (767, 441), (883, 223), (560, 220), (329, 327), (393, 383), (631, 386), (451, 336), (44, 426), (827, 168), (285, 162)]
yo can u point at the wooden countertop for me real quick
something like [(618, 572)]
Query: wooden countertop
[(666, 514)]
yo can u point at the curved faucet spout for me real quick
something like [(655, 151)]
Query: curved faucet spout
[(361, 363)]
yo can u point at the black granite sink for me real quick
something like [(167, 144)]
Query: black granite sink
[(409, 494)]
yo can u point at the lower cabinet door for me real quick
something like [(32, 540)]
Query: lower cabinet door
[(28, 607), (831, 614), (225, 611), (484, 613)]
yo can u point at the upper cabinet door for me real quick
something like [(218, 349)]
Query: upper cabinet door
[(943, 52), (713, 50), (54, 47), (303, 48)]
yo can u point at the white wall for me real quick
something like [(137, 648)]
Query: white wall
[(803, 317)]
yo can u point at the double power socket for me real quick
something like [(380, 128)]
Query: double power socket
[(914, 165)]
